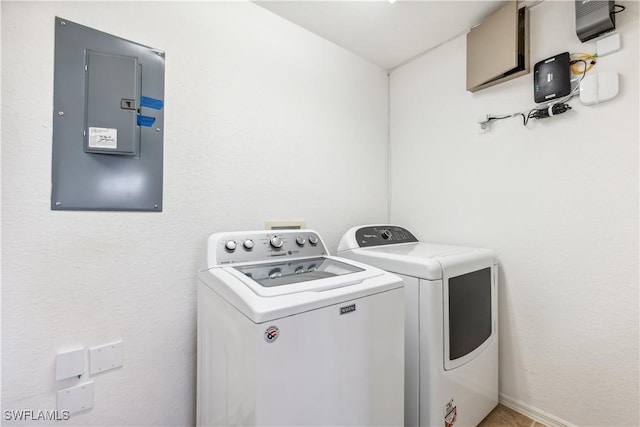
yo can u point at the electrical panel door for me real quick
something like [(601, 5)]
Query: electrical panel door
[(108, 122)]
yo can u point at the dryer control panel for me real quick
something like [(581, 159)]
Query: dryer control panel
[(255, 246), (377, 235)]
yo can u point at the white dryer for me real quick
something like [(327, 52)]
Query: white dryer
[(290, 336), (451, 327)]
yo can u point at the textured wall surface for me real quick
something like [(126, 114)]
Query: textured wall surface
[(263, 121), (558, 201)]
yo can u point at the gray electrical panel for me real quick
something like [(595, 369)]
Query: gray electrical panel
[(108, 122)]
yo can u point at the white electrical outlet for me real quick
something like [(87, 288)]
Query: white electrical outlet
[(483, 121)]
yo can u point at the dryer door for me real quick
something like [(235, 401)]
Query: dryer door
[(469, 306)]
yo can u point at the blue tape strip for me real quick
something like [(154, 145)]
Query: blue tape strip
[(156, 104), (146, 121)]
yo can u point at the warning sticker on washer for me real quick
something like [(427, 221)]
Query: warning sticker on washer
[(450, 414), (103, 138)]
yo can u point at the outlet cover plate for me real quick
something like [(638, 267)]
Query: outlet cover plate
[(70, 364), (77, 398), (105, 357)]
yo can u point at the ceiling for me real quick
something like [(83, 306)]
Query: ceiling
[(386, 34)]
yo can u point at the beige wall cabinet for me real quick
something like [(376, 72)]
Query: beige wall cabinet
[(498, 48)]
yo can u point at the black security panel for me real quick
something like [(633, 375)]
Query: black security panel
[(594, 17), (552, 78)]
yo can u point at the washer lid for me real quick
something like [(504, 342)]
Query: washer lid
[(335, 280), (296, 271), (300, 275)]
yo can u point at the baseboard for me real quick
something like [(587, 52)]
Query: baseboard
[(533, 413)]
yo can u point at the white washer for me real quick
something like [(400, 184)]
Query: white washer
[(290, 336), (451, 327)]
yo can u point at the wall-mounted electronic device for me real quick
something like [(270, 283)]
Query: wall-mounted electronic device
[(594, 17), (108, 122), (552, 78), (599, 87)]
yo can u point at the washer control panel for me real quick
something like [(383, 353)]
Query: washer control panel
[(255, 246), (377, 235)]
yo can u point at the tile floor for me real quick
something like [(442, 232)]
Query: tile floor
[(502, 416)]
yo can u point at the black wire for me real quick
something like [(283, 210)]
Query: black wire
[(533, 113), (525, 119), (584, 70), (622, 8)]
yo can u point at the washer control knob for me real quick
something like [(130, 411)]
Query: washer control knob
[(275, 273), (276, 242), (386, 234), (248, 244), (301, 240), (230, 245), (313, 239)]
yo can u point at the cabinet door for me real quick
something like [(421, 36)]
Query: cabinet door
[(498, 48)]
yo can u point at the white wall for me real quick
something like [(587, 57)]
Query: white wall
[(558, 201), (263, 121)]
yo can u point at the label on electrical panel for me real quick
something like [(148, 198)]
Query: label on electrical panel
[(103, 138)]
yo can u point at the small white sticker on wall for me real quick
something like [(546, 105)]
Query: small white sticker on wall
[(103, 138)]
